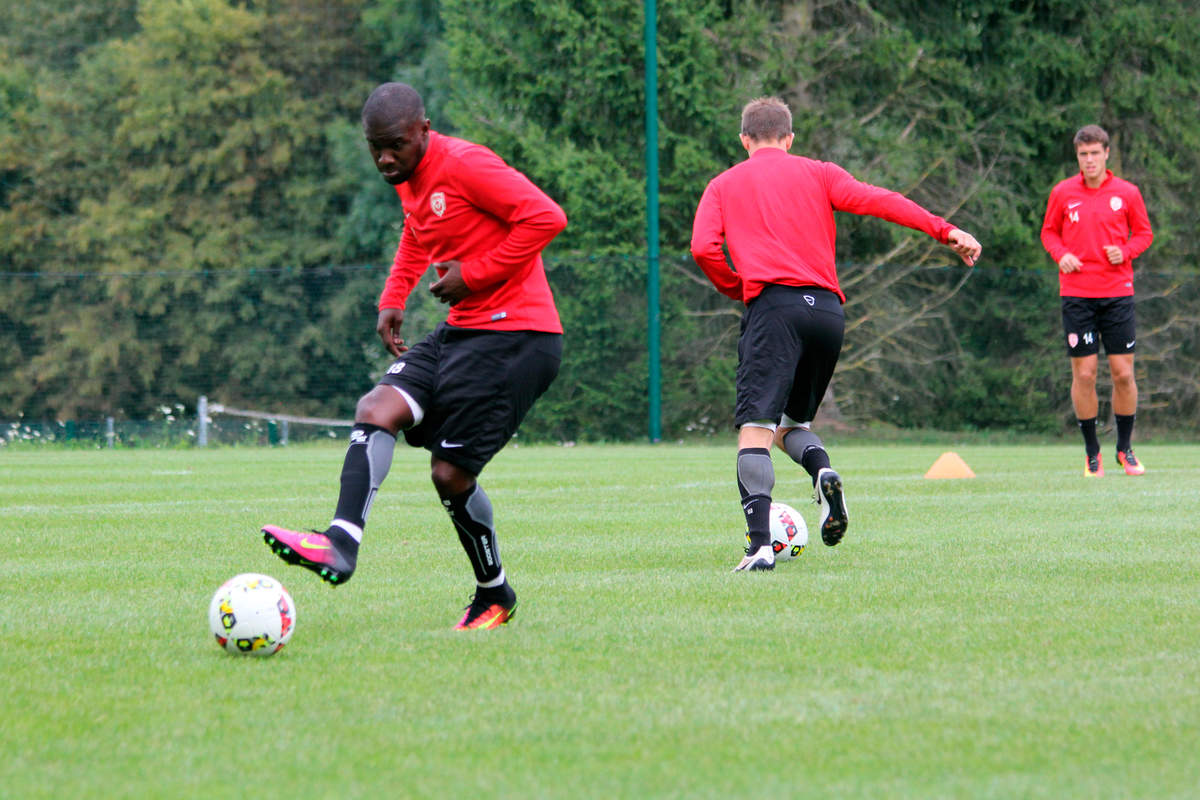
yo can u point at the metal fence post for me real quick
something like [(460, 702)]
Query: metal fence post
[(202, 422)]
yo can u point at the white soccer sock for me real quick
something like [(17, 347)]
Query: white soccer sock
[(356, 533)]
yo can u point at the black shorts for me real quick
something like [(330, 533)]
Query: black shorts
[(1088, 320), (790, 343), (475, 387)]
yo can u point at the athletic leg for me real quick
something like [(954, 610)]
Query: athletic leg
[(803, 446), (488, 383), (755, 480), (470, 511), (823, 332), (1081, 318), (1125, 393), (770, 337), (1124, 402), (333, 553), (1087, 407), (1083, 387)]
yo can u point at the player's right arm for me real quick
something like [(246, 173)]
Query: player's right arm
[(847, 193), (1052, 235), (965, 245), (408, 266)]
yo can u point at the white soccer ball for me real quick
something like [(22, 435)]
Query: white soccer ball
[(252, 614), (789, 534)]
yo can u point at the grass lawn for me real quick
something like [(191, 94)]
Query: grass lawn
[(1021, 634)]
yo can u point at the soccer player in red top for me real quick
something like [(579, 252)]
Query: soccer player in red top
[(461, 392), (1095, 226), (774, 211)]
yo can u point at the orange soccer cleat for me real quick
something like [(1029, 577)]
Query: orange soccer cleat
[(488, 611), (1129, 461)]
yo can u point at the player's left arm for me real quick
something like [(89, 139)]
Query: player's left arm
[(1140, 234), (409, 264), (533, 218)]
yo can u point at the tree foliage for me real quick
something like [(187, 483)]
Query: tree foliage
[(186, 205)]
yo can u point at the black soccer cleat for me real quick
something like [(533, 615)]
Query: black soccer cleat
[(834, 519)]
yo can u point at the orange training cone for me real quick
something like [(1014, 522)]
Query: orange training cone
[(949, 465)]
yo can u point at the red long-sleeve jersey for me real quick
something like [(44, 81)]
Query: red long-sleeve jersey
[(1082, 221), (463, 203), (775, 212)]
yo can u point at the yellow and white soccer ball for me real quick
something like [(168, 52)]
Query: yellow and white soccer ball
[(252, 614)]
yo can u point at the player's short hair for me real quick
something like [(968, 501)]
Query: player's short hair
[(766, 119), (393, 102), (1092, 134)]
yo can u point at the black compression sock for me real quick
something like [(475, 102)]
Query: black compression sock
[(1091, 444), (471, 513), (368, 458), (1124, 431), (756, 479)]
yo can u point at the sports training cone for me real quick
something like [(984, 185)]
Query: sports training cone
[(949, 465)]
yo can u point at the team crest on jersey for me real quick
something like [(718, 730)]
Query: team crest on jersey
[(437, 202), (1114, 203)]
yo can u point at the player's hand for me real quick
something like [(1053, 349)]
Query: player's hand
[(450, 288), (1115, 256), (965, 245), (388, 328), (1069, 263)]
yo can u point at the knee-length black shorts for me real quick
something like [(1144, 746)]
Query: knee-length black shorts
[(475, 387)]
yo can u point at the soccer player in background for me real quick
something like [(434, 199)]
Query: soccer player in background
[(774, 211), (463, 390), (1095, 226)]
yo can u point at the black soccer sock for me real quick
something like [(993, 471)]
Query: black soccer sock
[(1124, 430), (1091, 444), (368, 459), (756, 479), (807, 450), (471, 513)]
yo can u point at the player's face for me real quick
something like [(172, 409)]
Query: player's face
[(1093, 160), (397, 148)]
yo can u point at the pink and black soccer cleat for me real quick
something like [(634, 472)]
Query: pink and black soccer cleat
[(327, 554), (1129, 461), (1093, 467)]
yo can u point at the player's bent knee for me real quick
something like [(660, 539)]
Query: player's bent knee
[(385, 407), (450, 479)]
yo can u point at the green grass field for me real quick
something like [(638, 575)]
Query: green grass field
[(1022, 634)]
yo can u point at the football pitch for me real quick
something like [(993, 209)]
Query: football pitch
[(1021, 634)]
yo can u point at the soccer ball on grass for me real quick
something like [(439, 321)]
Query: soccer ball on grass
[(789, 534), (252, 614)]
